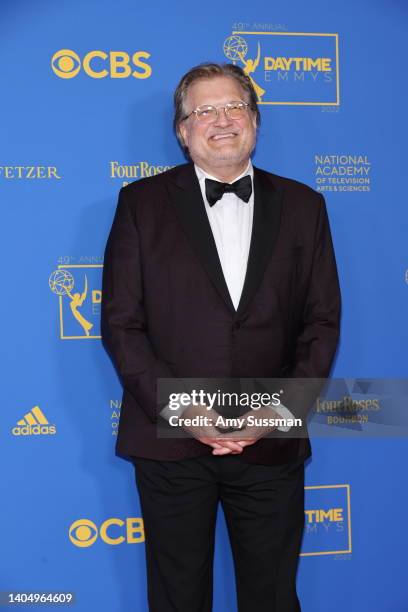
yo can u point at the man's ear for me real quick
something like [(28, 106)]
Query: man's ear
[(182, 133)]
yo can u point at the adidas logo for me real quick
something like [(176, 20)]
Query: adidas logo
[(34, 423)]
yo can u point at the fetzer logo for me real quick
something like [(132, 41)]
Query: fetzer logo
[(34, 423)]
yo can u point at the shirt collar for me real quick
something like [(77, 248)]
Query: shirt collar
[(202, 174)]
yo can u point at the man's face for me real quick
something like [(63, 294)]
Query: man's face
[(223, 143)]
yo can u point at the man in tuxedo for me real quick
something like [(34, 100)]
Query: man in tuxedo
[(217, 269)]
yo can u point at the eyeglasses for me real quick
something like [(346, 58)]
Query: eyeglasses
[(208, 113)]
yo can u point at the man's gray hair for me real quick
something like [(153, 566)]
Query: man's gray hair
[(210, 71)]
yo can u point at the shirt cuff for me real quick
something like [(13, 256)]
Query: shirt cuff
[(283, 412)]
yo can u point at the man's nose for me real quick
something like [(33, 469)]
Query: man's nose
[(222, 118)]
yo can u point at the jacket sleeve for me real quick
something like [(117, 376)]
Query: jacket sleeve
[(318, 336), (317, 341), (123, 317)]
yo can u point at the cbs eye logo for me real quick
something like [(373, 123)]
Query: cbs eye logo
[(66, 64), (83, 532)]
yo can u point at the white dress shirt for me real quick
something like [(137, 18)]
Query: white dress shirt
[(231, 224)]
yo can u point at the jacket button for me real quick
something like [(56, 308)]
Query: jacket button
[(237, 325)]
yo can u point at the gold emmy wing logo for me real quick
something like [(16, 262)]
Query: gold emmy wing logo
[(79, 300), (236, 49), (34, 423), (288, 68)]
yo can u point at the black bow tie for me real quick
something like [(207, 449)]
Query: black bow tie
[(214, 190)]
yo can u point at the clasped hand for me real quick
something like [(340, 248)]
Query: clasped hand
[(232, 442)]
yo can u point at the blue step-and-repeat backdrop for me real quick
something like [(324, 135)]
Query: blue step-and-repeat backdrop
[(86, 107)]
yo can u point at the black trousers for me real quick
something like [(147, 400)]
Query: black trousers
[(264, 512)]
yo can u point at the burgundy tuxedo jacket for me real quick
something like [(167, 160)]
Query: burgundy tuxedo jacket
[(167, 312)]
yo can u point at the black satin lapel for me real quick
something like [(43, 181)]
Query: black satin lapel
[(265, 228), (186, 196)]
